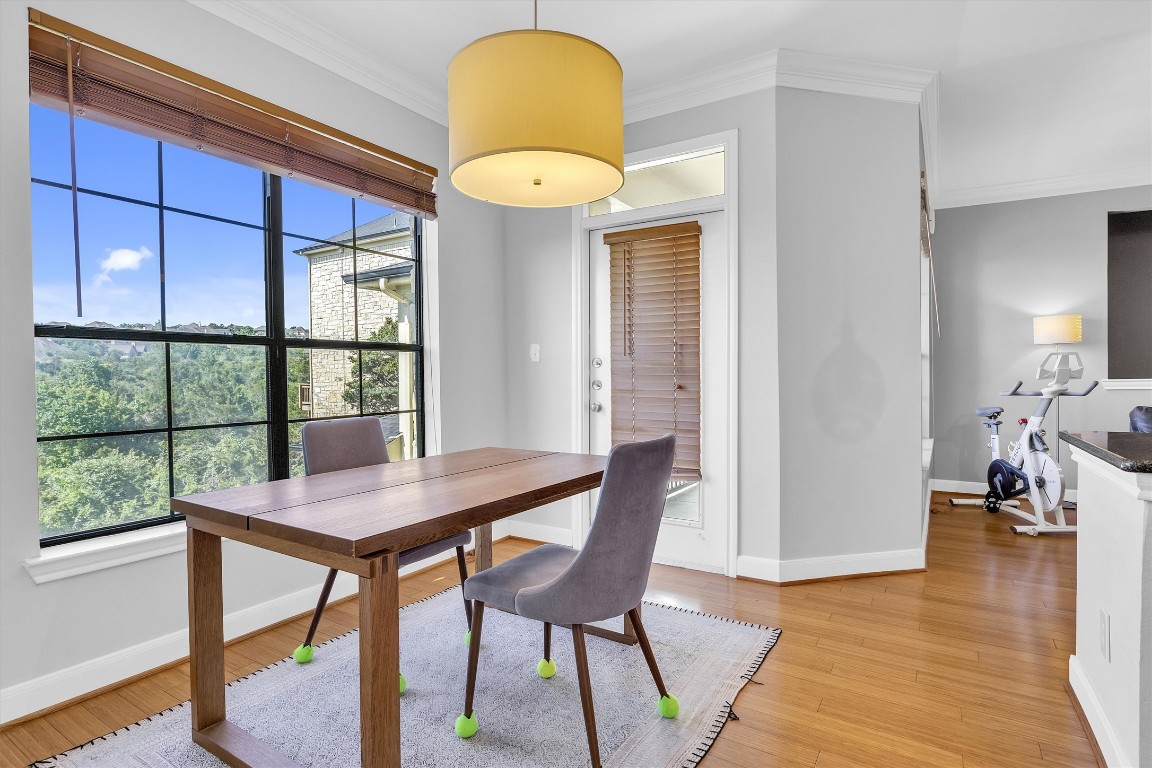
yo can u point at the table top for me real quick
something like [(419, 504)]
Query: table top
[(396, 506), (1127, 451)]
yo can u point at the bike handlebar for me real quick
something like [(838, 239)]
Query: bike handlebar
[(1015, 391)]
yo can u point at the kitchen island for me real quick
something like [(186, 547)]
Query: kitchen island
[(1111, 671)]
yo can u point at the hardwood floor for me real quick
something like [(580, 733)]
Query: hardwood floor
[(961, 666)]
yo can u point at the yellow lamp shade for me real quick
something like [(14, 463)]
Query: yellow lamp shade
[(1057, 329), (536, 119)]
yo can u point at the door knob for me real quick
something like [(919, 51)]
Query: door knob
[(597, 407)]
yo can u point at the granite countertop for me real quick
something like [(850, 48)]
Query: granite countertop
[(1129, 451)]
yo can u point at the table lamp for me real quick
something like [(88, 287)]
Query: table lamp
[(1059, 329)]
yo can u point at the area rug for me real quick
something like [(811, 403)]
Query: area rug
[(311, 712)]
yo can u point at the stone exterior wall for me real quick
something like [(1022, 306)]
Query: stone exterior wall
[(338, 312)]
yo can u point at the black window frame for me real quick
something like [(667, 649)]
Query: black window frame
[(275, 342)]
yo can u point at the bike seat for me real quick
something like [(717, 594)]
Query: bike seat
[(989, 413)]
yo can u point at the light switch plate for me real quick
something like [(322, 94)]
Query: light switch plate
[(534, 352)]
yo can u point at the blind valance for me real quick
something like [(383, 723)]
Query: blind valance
[(128, 88), (655, 293)]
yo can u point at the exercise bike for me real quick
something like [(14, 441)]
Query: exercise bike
[(1030, 469)]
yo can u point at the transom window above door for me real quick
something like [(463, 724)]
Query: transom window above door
[(685, 176)]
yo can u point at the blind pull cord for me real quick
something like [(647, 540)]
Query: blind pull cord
[(75, 192)]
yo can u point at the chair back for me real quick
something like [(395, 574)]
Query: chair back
[(1140, 419), (609, 575), (330, 446)]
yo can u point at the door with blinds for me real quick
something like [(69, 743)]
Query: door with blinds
[(658, 345)]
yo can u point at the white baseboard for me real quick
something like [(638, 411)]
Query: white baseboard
[(549, 534), (1101, 728), (801, 569), (965, 486), (48, 690)]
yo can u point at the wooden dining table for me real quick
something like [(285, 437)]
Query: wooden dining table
[(356, 520)]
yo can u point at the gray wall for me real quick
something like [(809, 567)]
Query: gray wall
[(540, 290), (50, 627), (848, 291), (998, 266)]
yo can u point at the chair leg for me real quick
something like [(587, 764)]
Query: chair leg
[(646, 647), (303, 654), (473, 657), (464, 577), (546, 668), (586, 692)]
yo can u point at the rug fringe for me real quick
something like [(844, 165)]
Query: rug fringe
[(726, 714)]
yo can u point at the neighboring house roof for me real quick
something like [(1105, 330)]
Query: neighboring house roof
[(393, 223), (394, 270)]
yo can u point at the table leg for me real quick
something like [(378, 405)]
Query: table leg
[(483, 547), (380, 665), (205, 629)]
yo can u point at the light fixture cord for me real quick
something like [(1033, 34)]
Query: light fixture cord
[(535, 15)]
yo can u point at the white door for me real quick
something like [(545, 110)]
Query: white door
[(695, 528)]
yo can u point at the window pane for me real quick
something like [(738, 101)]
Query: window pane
[(119, 269), (202, 183), (215, 276), (211, 459), (669, 180), (316, 213), (101, 481), (116, 161), (86, 387), (318, 296), (48, 132), (401, 435), (295, 451), (386, 299), (218, 384), (119, 243), (53, 256), (333, 386), (389, 380), (390, 232)]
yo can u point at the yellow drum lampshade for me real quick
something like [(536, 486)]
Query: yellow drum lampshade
[(536, 119), (1057, 329)]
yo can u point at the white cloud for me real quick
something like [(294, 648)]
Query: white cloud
[(120, 259)]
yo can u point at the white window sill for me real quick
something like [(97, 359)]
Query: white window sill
[(1127, 383), (64, 561)]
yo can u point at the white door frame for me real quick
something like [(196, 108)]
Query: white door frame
[(582, 224)]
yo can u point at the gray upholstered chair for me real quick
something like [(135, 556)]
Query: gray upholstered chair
[(607, 578), (1140, 419), (330, 446)]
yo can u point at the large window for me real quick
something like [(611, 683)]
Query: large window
[(222, 308)]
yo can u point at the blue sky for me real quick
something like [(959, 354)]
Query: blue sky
[(214, 270)]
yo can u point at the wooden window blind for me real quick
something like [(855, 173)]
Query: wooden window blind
[(655, 293), (130, 89)]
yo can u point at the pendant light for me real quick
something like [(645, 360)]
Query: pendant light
[(535, 119)]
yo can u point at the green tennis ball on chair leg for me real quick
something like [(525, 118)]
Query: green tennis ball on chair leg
[(303, 653), (466, 727), (669, 707), (546, 668), (403, 684), (468, 637)]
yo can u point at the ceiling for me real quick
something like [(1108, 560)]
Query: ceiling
[(401, 48)]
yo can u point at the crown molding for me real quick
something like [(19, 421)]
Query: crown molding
[(1136, 176), (781, 67), (280, 23)]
